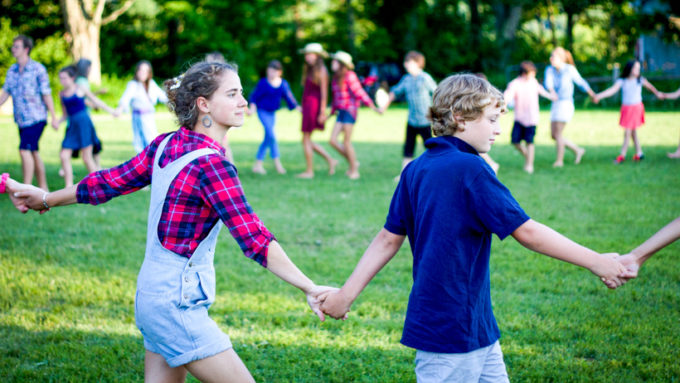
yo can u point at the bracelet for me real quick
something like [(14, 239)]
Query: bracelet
[(3, 182), (45, 201)]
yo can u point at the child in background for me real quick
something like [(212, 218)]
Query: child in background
[(80, 130), (348, 95), (83, 71), (265, 101), (632, 108), (673, 96), (417, 86), (314, 101), (560, 77), (450, 189), (522, 93), (141, 96)]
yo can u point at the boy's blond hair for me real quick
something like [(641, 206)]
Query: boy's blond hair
[(464, 96)]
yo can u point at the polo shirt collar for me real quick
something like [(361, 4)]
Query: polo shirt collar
[(445, 143)]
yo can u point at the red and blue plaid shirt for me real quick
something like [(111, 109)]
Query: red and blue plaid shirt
[(204, 191), (348, 94)]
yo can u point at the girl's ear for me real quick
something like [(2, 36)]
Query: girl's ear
[(202, 104)]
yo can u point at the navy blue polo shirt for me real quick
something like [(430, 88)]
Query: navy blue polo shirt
[(448, 203)]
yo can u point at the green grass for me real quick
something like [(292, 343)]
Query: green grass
[(67, 279)]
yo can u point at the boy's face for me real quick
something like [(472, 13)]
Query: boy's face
[(481, 133), (412, 67)]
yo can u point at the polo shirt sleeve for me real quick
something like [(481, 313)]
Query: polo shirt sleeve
[(400, 88), (396, 217), (494, 206)]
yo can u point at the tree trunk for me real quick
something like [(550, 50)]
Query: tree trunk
[(83, 20), (570, 31), (507, 22), (475, 34), (351, 36)]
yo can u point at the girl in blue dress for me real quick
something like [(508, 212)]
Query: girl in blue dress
[(79, 130)]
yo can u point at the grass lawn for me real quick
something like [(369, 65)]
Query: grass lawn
[(67, 278)]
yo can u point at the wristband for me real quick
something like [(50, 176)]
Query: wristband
[(3, 182), (45, 201)]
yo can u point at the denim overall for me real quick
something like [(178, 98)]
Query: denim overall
[(175, 292)]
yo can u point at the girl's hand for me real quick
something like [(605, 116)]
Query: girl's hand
[(609, 269), (336, 304), (12, 187), (322, 118), (314, 301), (632, 264), (55, 124), (31, 197)]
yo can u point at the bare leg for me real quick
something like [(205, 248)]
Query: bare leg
[(27, 165), (65, 156), (331, 162), (308, 150), (353, 172), (636, 142), (529, 159), (520, 149), (556, 129), (279, 167), (337, 128), (404, 162), (223, 367), (626, 140), (157, 370), (40, 170), (88, 159), (97, 162), (676, 153), (259, 167)]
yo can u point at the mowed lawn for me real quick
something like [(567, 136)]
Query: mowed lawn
[(67, 278)]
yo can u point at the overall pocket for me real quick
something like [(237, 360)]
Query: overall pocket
[(198, 289)]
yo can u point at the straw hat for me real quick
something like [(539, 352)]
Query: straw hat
[(314, 48), (344, 58)]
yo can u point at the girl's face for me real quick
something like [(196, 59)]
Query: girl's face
[(481, 133), (556, 60), (274, 73), (310, 58), (635, 71), (227, 105), (143, 73), (335, 65), (66, 80)]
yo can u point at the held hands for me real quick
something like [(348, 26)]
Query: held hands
[(316, 297), (610, 270), (632, 264), (336, 304), (25, 197)]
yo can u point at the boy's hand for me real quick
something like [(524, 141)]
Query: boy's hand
[(632, 264), (609, 269), (336, 304), (314, 301)]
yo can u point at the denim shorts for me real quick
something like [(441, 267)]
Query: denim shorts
[(30, 135), (345, 117), (482, 365), (171, 310)]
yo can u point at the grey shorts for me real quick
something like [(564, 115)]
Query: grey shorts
[(481, 365)]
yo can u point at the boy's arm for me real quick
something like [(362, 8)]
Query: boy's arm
[(667, 96), (381, 250), (664, 237), (543, 92), (542, 239)]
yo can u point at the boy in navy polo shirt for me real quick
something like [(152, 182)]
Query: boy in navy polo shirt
[(448, 203)]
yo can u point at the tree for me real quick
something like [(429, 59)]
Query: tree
[(83, 20)]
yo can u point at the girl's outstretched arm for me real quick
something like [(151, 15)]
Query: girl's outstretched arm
[(651, 88), (95, 100), (608, 92), (39, 200), (381, 250), (664, 237)]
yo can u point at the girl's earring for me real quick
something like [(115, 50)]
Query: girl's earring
[(206, 121)]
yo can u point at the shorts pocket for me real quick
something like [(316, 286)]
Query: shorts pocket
[(199, 289), (157, 318)]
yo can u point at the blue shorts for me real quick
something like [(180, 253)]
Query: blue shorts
[(521, 132), (30, 135), (345, 117)]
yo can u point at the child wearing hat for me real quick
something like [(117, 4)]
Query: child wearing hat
[(348, 94), (314, 101)]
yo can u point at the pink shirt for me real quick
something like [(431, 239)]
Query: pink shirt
[(523, 93)]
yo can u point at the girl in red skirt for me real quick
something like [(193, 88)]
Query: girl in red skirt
[(632, 109)]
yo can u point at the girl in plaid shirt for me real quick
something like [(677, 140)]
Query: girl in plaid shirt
[(194, 190), (348, 94)]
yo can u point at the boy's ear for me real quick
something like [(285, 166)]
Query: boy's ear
[(460, 122)]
